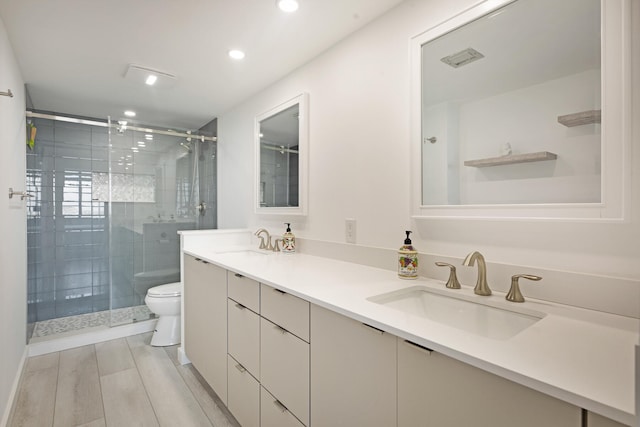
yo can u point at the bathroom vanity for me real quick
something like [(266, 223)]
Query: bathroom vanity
[(302, 340)]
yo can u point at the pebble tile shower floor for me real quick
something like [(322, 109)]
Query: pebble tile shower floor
[(47, 328)]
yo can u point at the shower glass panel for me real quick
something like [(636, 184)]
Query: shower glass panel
[(102, 227), (67, 230), (158, 186)]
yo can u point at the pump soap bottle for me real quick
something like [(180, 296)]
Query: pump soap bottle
[(407, 260), (288, 240)]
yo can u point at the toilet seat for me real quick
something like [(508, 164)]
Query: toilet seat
[(166, 291)]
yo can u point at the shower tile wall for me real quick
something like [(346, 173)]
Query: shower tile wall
[(67, 231), (75, 265)]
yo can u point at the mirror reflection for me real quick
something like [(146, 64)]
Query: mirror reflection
[(511, 107), (279, 159)]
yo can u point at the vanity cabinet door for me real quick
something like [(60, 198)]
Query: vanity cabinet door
[(274, 414), (244, 337), (284, 368), (286, 310), (353, 372), (437, 391), (205, 321), (244, 395), (595, 420), (245, 291)]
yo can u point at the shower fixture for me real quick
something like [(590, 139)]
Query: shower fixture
[(187, 145)]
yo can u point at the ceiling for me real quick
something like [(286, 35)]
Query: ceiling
[(73, 54), (525, 43)]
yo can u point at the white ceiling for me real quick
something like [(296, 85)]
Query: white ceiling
[(73, 54), (526, 43)]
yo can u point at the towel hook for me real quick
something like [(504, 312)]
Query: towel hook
[(7, 93)]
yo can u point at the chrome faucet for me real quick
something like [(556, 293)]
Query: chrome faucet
[(482, 287), (262, 244)]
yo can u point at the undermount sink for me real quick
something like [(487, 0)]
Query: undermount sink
[(459, 312)]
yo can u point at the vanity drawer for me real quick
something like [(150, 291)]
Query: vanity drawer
[(243, 394), (244, 290), (244, 336), (284, 368), (285, 310), (274, 414)]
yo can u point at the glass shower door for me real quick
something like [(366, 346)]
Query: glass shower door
[(159, 184)]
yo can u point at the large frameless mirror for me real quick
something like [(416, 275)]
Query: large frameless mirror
[(511, 110), (281, 153)]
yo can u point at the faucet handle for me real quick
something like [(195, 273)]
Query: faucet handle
[(276, 247), (452, 283), (514, 294)]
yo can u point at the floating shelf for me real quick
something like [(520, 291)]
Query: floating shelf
[(511, 159), (582, 118)]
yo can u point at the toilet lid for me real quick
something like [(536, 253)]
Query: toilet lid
[(168, 290)]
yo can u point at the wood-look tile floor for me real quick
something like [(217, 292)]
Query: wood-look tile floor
[(124, 382)]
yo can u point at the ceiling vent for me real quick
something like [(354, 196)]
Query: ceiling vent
[(149, 76), (463, 57)]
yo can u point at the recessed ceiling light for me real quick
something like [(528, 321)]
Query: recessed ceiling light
[(148, 137), (288, 5), (151, 79), (236, 54), (130, 113)]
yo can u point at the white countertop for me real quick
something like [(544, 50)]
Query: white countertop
[(584, 357)]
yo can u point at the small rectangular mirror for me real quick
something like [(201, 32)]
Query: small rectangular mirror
[(281, 158)]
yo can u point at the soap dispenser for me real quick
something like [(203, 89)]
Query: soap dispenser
[(288, 240), (407, 260)]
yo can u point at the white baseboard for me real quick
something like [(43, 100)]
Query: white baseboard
[(87, 336), (14, 390), (182, 356)]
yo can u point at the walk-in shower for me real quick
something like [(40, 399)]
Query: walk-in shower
[(102, 225)]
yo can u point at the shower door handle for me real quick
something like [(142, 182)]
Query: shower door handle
[(202, 208)]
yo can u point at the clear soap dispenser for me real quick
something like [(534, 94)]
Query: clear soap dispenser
[(288, 240), (408, 260)]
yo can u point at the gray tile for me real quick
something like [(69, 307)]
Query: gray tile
[(209, 401), (114, 356), (172, 352), (42, 362), (126, 401), (36, 399), (97, 423), (78, 398), (131, 396), (172, 400)]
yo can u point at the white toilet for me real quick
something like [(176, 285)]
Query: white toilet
[(164, 301)]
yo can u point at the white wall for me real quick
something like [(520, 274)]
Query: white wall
[(13, 226), (527, 119), (359, 161)]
